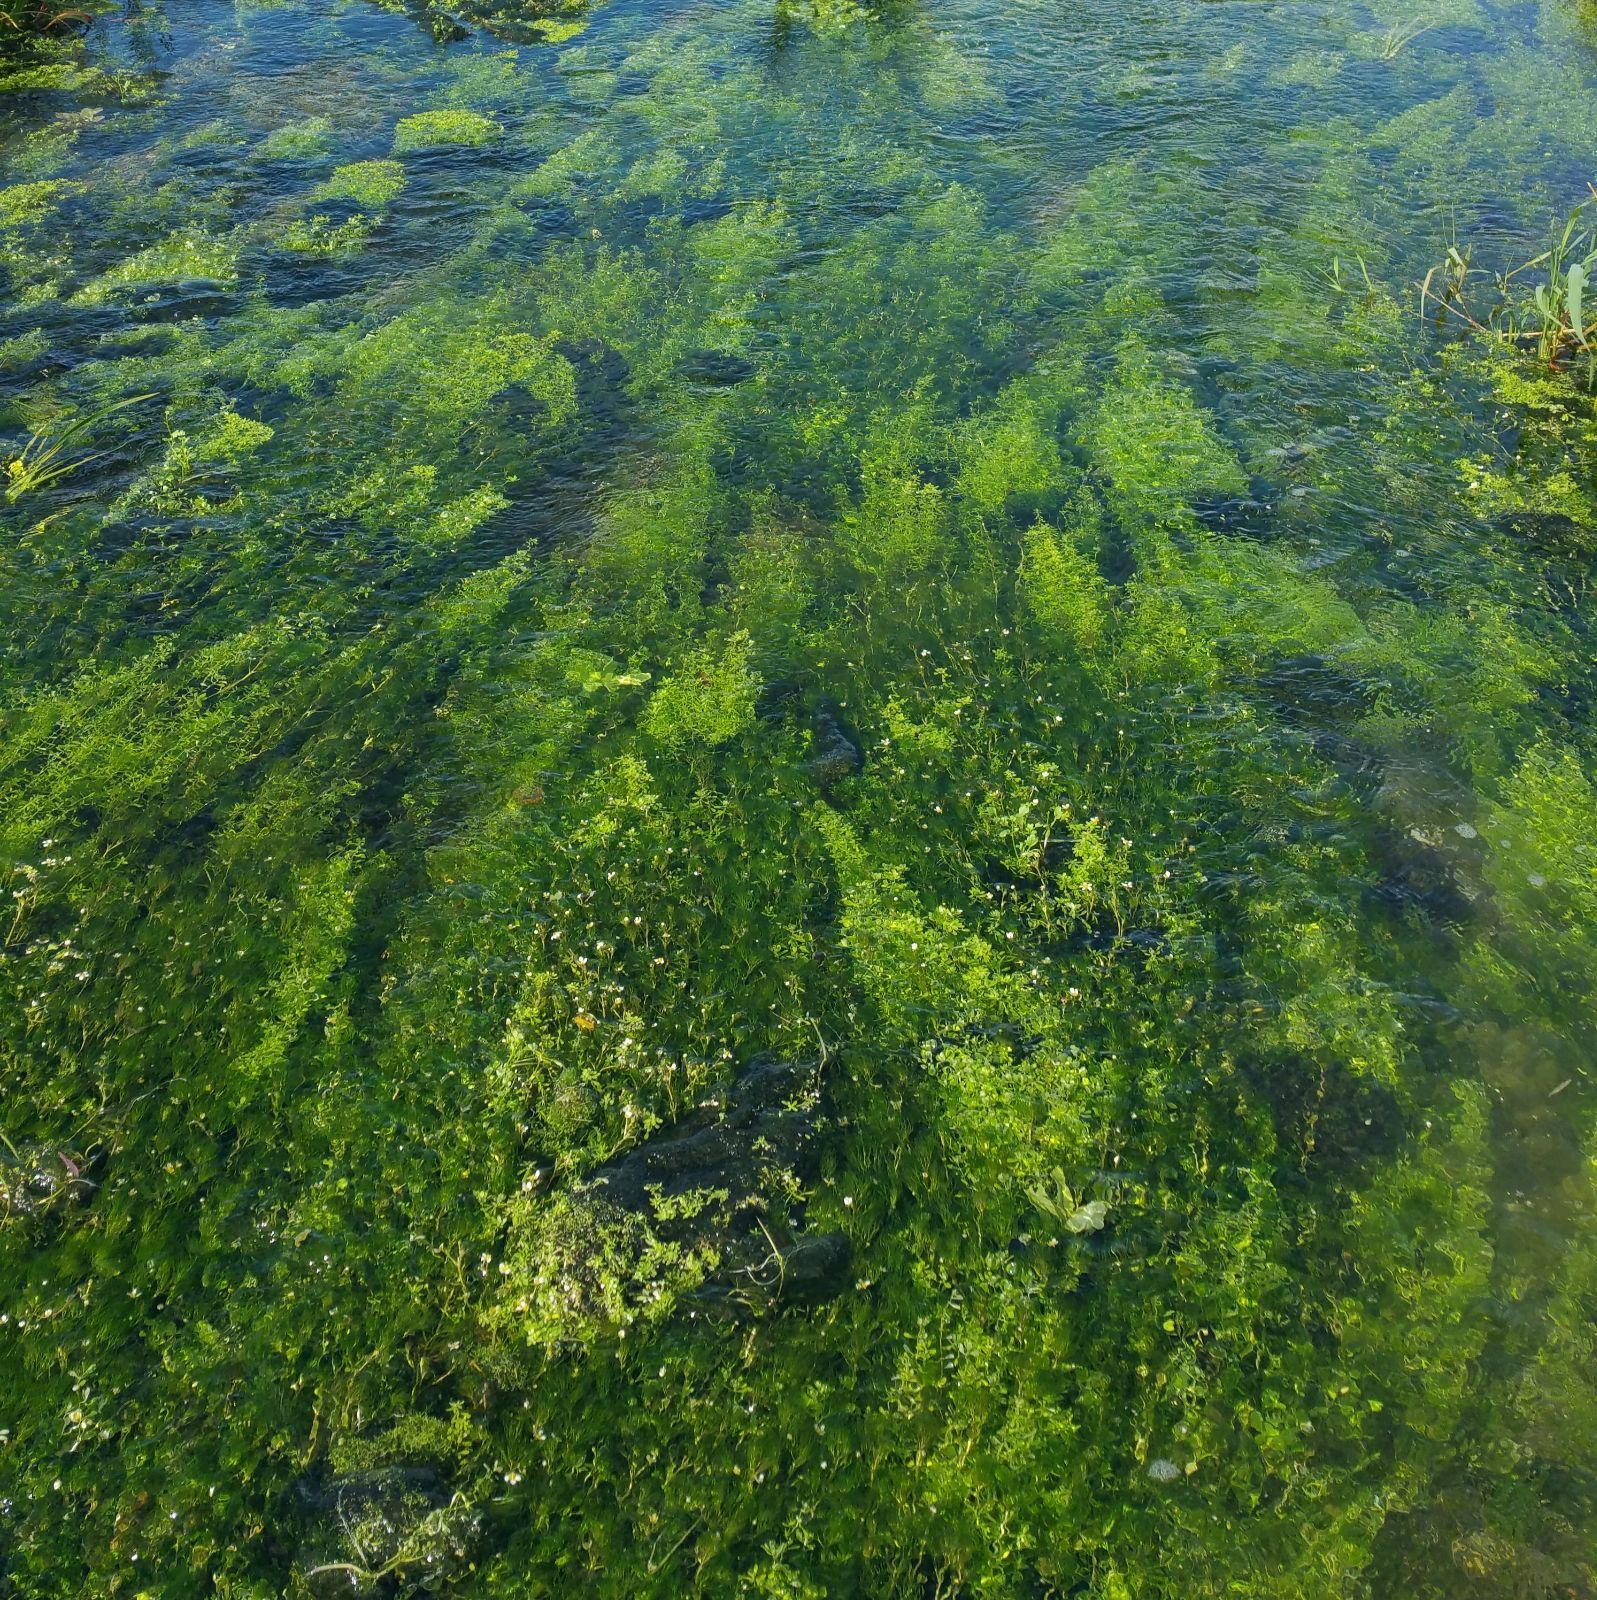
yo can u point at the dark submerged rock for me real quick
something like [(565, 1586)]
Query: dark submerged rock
[(834, 753), (43, 1181), (392, 1530), (769, 1116), (1418, 877), (775, 699), (816, 1268), (1326, 1116), (741, 1155), (1550, 532), (1246, 514)]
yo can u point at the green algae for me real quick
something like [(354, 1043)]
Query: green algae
[(23, 204), (182, 258), (298, 141), (366, 183), (449, 126), (323, 236), (411, 801)]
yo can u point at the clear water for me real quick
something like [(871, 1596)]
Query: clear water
[(413, 797)]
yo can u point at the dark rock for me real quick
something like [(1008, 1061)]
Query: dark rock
[(816, 1268), (834, 753), (1551, 532), (769, 1117), (1239, 514), (39, 1181), (1420, 873), (725, 1178), (392, 1530), (775, 699), (1325, 1114), (715, 369)]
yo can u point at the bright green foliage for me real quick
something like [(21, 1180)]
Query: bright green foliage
[(707, 698), (1062, 588), (321, 236), (27, 203), (183, 258), (450, 126), (366, 183), (932, 545), (298, 141)]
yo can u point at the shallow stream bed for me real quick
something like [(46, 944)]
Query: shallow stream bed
[(794, 804)]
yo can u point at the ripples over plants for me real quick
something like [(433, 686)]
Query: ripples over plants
[(797, 801)]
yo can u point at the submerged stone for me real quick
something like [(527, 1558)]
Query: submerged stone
[(395, 1529), (1551, 532), (769, 1117), (42, 1180), (709, 1211), (816, 1268), (834, 754)]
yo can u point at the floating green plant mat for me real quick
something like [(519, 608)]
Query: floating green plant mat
[(796, 804)]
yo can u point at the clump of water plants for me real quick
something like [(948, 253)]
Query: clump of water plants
[(365, 183), (450, 125), (49, 454), (1546, 306)]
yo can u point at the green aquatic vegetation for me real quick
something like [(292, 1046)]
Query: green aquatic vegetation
[(1060, 1203), (302, 986), (1269, 604), (572, 167), (460, 519), (372, 184), (1156, 447), (576, 1272), (447, 126), (550, 31), (41, 77), (830, 565), (25, 350), (1060, 584), (1311, 69), (321, 236), (1012, 452), (900, 528), (1556, 316), (1112, 217), (182, 258), (28, 204), (549, 21), (707, 698), (830, 16), (303, 140), (233, 437), (47, 455), (1541, 863)]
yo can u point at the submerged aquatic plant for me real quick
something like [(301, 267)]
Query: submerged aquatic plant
[(38, 16), (1401, 34), (44, 459), (1061, 1203), (784, 565), (452, 125)]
